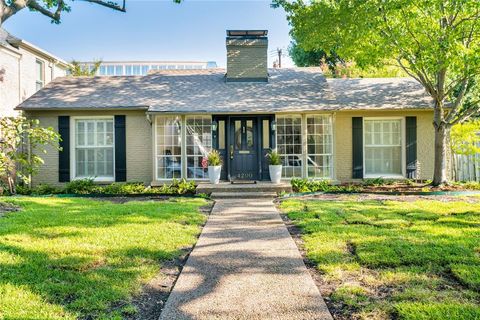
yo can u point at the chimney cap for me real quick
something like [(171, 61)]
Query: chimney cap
[(247, 33)]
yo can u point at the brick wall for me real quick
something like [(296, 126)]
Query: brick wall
[(138, 139), (343, 140), (247, 58), (19, 85)]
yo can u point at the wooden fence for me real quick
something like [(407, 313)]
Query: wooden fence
[(466, 168)]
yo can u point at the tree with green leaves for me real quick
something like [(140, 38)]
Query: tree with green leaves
[(436, 42), (465, 141), (21, 142), (312, 58), (78, 69), (50, 8)]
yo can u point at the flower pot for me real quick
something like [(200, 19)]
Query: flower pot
[(275, 173), (214, 173)]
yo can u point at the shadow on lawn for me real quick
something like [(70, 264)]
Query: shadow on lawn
[(82, 282), (81, 285)]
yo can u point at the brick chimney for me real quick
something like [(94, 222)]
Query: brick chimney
[(247, 56)]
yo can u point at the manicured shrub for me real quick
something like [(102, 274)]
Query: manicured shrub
[(305, 185), (124, 188), (82, 186), (88, 186)]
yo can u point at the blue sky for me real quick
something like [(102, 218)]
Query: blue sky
[(151, 30)]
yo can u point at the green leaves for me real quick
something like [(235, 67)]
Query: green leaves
[(22, 140)]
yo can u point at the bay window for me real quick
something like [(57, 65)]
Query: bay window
[(94, 148), (199, 144), (169, 147), (289, 144), (383, 147), (319, 146)]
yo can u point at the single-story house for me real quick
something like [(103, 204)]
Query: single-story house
[(158, 127)]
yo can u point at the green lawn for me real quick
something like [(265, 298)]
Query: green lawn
[(394, 260), (68, 258)]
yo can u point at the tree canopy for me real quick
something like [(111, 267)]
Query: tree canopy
[(437, 42)]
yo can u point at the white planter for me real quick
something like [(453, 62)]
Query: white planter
[(275, 173), (214, 173)]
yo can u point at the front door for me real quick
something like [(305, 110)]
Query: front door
[(243, 148)]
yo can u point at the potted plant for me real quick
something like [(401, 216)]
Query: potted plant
[(275, 166), (214, 166)]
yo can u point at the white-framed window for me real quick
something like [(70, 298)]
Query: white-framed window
[(168, 131), (384, 147), (319, 146), (40, 74), (199, 144), (289, 144), (94, 148)]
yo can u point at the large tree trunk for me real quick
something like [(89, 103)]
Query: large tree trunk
[(440, 174)]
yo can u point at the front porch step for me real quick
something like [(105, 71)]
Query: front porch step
[(260, 186), (243, 195)]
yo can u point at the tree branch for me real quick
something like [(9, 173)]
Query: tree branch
[(55, 15), (110, 5), (467, 114), (454, 111)]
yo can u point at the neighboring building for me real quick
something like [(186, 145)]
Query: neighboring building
[(160, 126), (24, 69), (141, 68)]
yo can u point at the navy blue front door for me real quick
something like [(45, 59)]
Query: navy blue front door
[(243, 148)]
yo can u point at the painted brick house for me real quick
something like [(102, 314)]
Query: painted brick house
[(160, 126), (24, 69)]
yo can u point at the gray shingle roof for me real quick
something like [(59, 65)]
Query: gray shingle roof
[(299, 89)]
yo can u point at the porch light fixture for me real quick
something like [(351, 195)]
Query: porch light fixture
[(214, 125), (273, 125)]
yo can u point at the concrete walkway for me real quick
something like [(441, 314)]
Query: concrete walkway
[(245, 266)]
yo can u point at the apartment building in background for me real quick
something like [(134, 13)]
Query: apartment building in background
[(141, 68)]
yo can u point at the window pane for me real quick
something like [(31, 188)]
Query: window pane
[(94, 153), (383, 147), (169, 164), (319, 146), (289, 128), (221, 134), (266, 134), (238, 134), (249, 133), (199, 144)]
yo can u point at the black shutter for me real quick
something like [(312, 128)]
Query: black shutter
[(120, 149), (411, 146), (64, 153), (357, 150)]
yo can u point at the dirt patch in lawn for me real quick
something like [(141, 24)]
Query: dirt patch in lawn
[(150, 302), (7, 207)]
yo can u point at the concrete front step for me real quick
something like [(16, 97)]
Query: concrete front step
[(260, 186), (243, 195)]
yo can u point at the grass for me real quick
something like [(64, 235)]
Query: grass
[(69, 258), (394, 260)]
